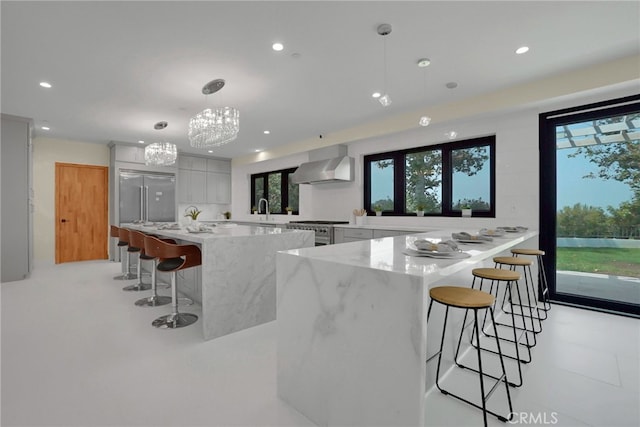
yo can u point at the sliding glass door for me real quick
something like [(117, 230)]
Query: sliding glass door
[(590, 204)]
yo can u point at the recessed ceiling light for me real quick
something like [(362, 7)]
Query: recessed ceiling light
[(451, 134), (140, 141), (521, 50), (45, 128), (257, 150), (210, 151), (376, 94), (45, 84), (277, 47), (424, 62), (267, 132)]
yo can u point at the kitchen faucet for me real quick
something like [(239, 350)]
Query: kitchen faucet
[(266, 207)]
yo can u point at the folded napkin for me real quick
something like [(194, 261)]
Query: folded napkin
[(197, 228), (446, 246), (170, 226), (491, 232), (463, 235)]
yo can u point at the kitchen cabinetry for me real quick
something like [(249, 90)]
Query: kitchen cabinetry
[(203, 180), (218, 188), (192, 163), (125, 153), (192, 186), (17, 194), (344, 235)]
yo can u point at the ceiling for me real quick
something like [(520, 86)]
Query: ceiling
[(117, 68)]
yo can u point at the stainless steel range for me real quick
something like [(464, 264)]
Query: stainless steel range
[(323, 229)]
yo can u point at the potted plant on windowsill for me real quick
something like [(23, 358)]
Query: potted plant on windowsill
[(289, 210), (378, 210), (254, 210), (420, 209), (466, 210)]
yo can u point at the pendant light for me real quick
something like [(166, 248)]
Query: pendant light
[(384, 30), (424, 63)]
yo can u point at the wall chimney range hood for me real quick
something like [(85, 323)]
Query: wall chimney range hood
[(333, 166)]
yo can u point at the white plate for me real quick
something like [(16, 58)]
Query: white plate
[(470, 241), (439, 253), (493, 233), (450, 255), (200, 232)]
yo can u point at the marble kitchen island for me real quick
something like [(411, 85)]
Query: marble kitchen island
[(236, 284), (352, 332)]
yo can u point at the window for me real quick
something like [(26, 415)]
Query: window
[(438, 179), (276, 187)]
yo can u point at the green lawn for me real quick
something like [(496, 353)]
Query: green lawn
[(614, 261)]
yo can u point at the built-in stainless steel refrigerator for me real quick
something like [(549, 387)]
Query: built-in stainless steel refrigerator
[(147, 197)]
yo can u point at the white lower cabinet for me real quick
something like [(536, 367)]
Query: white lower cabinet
[(378, 234)]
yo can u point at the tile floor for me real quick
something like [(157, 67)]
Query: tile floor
[(77, 352)]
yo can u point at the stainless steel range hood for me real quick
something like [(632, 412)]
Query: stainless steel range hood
[(337, 169)]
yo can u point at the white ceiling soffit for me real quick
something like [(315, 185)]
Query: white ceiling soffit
[(117, 68)]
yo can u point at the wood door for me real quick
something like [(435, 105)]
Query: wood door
[(81, 212)]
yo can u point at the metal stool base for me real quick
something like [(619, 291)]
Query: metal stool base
[(153, 301), (174, 321), (137, 287), (127, 276)]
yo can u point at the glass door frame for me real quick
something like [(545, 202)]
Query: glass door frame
[(548, 192)]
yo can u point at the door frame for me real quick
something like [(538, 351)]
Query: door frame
[(548, 192)]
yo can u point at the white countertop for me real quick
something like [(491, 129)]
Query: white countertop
[(387, 253), (224, 230)]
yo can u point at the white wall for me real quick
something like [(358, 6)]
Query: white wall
[(517, 166), (46, 152)]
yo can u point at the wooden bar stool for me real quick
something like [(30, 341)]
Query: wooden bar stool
[(543, 288), (512, 263), (172, 259), (474, 300), (123, 242), (497, 277)]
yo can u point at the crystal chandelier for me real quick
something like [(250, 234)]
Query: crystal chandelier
[(212, 128), (160, 154)]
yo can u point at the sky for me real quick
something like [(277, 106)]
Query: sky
[(572, 188)]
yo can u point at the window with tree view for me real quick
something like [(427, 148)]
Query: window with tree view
[(276, 187), (438, 180)]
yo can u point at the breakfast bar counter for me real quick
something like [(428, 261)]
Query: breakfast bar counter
[(236, 284), (352, 332)]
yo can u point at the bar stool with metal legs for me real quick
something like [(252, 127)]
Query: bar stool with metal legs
[(508, 278), (543, 288), (530, 305), (136, 240), (124, 260), (470, 299), (172, 259), (124, 237)]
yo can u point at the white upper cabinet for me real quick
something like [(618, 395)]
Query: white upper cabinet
[(203, 180), (126, 153), (192, 163), (216, 165), (218, 188)]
